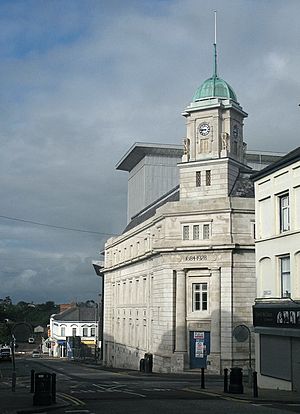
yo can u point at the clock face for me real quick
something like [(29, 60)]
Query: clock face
[(235, 131), (204, 128)]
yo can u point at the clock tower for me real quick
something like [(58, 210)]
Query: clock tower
[(214, 148)]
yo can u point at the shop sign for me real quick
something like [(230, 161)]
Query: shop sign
[(277, 317)]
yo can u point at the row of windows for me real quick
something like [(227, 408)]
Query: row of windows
[(200, 180), (86, 331), (129, 252), (132, 291), (132, 332), (196, 231)]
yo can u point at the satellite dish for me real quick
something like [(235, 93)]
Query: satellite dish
[(241, 333)]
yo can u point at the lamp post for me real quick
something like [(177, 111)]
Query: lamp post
[(12, 346), (98, 267)]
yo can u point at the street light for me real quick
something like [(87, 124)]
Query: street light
[(12, 345)]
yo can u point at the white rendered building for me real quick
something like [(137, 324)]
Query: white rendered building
[(277, 307), (78, 321), (182, 274)]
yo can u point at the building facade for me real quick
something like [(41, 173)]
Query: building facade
[(277, 307), (181, 277), (79, 322)]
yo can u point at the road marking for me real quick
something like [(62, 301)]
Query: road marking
[(217, 395), (74, 400), (133, 393), (116, 388), (108, 388), (77, 411)]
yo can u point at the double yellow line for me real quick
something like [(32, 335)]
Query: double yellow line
[(68, 397)]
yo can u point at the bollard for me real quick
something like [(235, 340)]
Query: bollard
[(202, 378), (13, 381), (53, 388), (225, 379), (32, 381), (255, 388)]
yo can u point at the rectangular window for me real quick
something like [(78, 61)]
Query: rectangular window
[(198, 178), (93, 331), (235, 147), (284, 207), (285, 276), (84, 331), (186, 232), (208, 177), (206, 231), (74, 331), (199, 296), (196, 232), (62, 331)]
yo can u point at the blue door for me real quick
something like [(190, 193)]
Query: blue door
[(199, 348)]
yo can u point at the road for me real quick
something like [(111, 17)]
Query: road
[(90, 389)]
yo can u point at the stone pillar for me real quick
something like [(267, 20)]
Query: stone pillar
[(215, 333), (177, 360), (180, 335)]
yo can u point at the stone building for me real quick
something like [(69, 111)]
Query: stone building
[(277, 307), (181, 277)]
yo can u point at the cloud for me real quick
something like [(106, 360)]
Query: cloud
[(80, 82)]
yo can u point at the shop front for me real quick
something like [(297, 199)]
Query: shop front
[(277, 329)]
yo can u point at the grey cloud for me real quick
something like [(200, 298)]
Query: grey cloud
[(93, 81)]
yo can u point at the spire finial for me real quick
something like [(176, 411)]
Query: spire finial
[(215, 74)]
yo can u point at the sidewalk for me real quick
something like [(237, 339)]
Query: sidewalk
[(264, 395), (21, 401)]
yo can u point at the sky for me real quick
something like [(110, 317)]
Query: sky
[(82, 80)]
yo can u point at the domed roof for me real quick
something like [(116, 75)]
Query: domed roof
[(214, 87)]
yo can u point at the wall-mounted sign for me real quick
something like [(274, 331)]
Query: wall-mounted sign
[(200, 349), (196, 258), (277, 316), (198, 335)]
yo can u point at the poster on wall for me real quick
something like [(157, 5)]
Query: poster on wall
[(199, 335), (199, 349)]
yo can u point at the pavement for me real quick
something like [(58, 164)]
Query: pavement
[(21, 401)]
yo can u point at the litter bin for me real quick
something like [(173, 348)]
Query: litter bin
[(142, 365), (42, 389), (148, 362), (236, 381)]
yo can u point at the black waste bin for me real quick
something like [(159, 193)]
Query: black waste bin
[(142, 365), (42, 388), (148, 362), (236, 381)]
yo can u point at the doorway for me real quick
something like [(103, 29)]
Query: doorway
[(199, 348)]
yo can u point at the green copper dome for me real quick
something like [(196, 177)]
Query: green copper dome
[(214, 87)]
